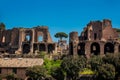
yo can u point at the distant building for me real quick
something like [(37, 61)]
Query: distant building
[(97, 38), (17, 66)]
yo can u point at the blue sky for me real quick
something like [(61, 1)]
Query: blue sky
[(58, 15)]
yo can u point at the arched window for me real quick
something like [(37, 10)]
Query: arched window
[(27, 37), (42, 47), (40, 38), (108, 48), (51, 47), (95, 48), (26, 48), (81, 49)]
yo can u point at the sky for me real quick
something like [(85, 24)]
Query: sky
[(59, 15)]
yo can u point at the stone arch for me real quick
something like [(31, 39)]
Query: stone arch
[(40, 36), (95, 48), (26, 48), (35, 47), (27, 38), (28, 35), (81, 48), (42, 47), (108, 48), (51, 47)]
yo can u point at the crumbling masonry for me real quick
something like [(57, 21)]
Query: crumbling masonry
[(97, 38), (26, 40)]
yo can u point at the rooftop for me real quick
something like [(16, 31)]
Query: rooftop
[(20, 62)]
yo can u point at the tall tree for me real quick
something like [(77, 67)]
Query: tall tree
[(61, 35), (72, 66)]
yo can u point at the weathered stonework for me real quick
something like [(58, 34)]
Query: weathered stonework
[(26, 40), (97, 38)]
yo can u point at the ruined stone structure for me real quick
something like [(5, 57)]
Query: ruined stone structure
[(26, 40), (97, 38), (62, 46)]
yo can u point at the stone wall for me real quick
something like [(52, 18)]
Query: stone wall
[(23, 39), (98, 38)]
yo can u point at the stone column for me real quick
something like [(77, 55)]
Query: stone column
[(87, 50), (21, 39), (32, 42), (102, 48), (46, 45), (116, 48), (75, 48), (73, 40)]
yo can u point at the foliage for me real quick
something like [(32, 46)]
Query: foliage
[(109, 58), (87, 71), (57, 73), (2, 26), (36, 72), (42, 54), (106, 72), (10, 76), (72, 65), (50, 64), (95, 61), (61, 35)]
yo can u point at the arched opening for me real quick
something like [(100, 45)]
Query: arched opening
[(3, 39), (119, 48), (108, 48), (81, 49), (95, 48), (51, 47), (40, 38), (35, 47), (27, 38), (42, 47), (26, 48)]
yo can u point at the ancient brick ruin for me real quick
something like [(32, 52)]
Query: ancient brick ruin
[(97, 38), (26, 40)]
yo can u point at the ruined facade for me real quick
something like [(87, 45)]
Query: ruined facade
[(97, 38), (26, 40)]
